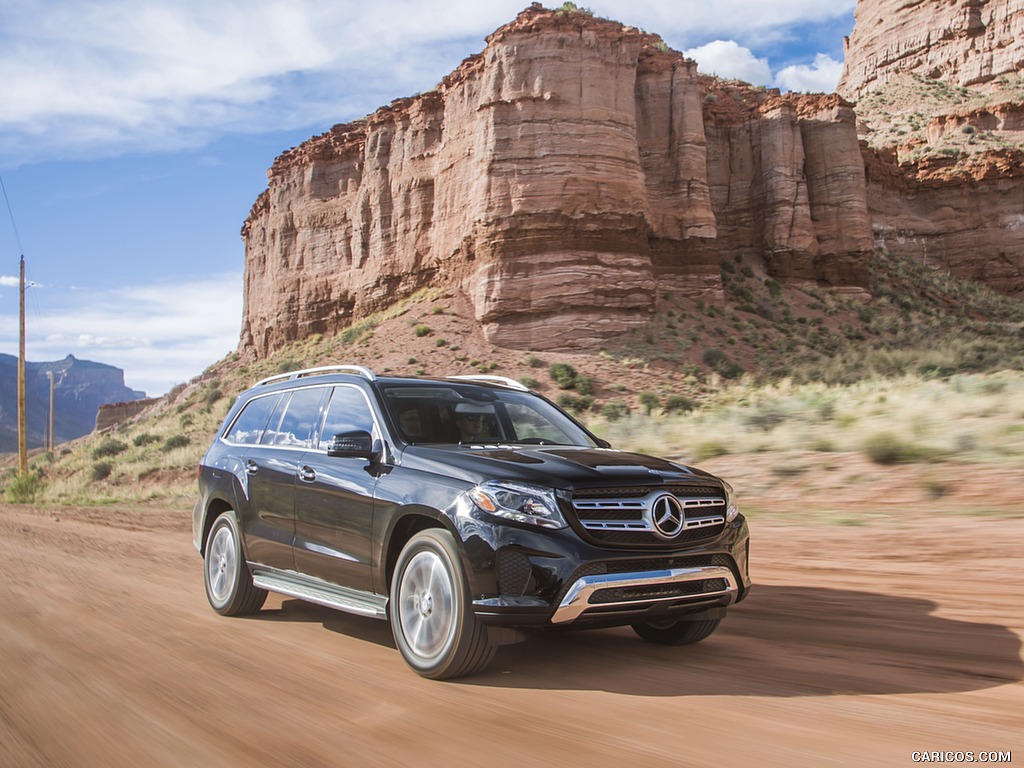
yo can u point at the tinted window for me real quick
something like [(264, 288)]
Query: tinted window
[(347, 412), (248, 427), (301, 415), (427, 413)]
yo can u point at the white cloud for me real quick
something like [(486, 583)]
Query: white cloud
[(10, 282), (726, 58), (748, 21), (111, 76), (161, 335), (820, 77)]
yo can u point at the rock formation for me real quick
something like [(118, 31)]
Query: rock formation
[(80, 387), (965, 42), (942, 74), (567, 179), (577, 175)]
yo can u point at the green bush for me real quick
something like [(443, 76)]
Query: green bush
[(584, 384), (101, 470), (710, 450), (563, 374), (212, 397), (649, 401), (421, 330), (23, 489), (175, 441), (614, 410), (886, 448), (144, 439), (109, 447), (679, 404), (575, 403)]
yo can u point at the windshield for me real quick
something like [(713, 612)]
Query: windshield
[(456, 414)]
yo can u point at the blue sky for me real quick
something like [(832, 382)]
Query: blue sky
[(136, 135)]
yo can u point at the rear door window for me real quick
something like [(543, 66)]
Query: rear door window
[(301, 415)]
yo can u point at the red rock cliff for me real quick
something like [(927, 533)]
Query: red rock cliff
[(565, 179), (965, 42), (938, 92)]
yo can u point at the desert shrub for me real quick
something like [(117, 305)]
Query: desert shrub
[(887, 448), (649, 401), (529, 381), (719, 362), (421, 330), (23, 489), (563, 374), (766, 418), (575, 403), (614, 410), (101, 470), (109, 447), (534, 362), (679, 404), (584, 384), (212, 397), (709, 450), (144, 439), (175, 441)]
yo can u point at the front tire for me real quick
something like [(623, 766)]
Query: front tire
[(431, 616), (229, 586), (679, 632)]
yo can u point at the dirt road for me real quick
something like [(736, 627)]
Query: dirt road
[(860, 646)]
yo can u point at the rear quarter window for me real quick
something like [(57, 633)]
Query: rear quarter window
[(248, 427)]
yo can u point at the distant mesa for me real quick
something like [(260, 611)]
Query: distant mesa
[(80, 388)]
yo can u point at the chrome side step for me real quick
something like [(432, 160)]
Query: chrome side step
[(577, 599), (320, 592)]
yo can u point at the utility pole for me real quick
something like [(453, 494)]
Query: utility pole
[(22, 421), (49, 433)]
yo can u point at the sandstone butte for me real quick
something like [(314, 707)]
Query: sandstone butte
[(576, 172)]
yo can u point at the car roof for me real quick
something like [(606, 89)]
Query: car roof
[(345, 373)]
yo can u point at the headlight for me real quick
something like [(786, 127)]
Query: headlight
[(731, 510), (519, 502)]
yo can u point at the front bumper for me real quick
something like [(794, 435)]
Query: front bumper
[(522, 577), (585, 593)]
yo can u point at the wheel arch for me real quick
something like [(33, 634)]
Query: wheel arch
[(217, 507), (404, 528)]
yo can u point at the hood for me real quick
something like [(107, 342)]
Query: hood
[(554, 466)]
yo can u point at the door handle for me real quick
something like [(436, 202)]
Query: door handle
[(307, 475), (251, 467)]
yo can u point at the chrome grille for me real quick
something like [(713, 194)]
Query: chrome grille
[(624, 516)]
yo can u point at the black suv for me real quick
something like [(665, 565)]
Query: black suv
[(463, 510)]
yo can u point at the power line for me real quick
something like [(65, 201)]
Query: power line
[(10, 213)]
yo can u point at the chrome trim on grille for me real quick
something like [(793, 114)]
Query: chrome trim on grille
[(637, 514), (577, 599)]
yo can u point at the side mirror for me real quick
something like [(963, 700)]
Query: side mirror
[(602, 443), (357, 445)]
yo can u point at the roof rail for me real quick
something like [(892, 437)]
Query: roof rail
[(361, 370), (504, 381)]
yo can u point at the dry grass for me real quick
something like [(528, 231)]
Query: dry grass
[(927, 369), (972, 418)]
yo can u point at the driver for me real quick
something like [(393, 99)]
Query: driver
[(470, 420)]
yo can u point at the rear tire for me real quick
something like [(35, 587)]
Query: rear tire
[(229, 586), (431, 615), (678, 632)]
